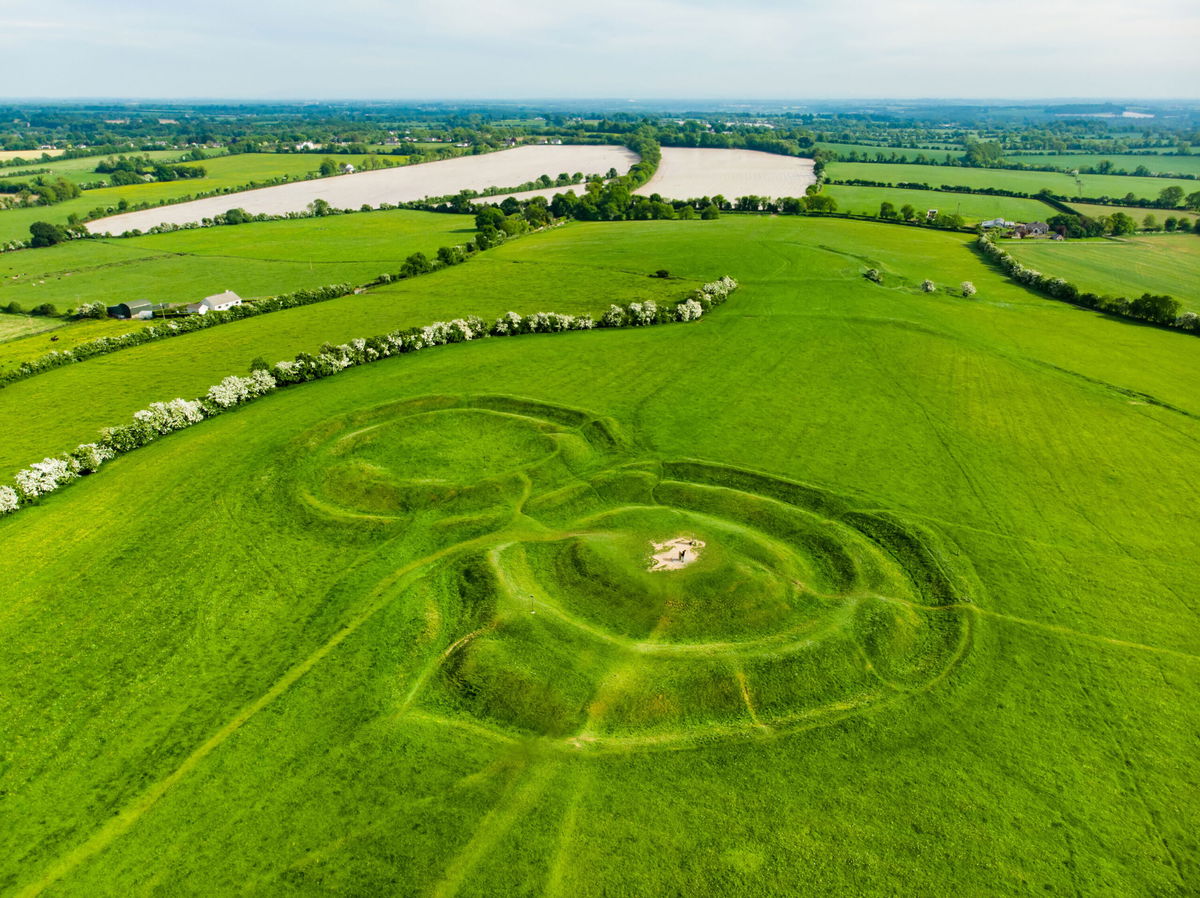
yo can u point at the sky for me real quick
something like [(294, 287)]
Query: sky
[(637, 49)]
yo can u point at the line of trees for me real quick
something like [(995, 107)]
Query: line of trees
[(161, 418), (1168, 198), (1159, 309), (125, 170)]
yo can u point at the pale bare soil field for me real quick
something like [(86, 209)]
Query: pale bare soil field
[(6, 155), (393, 185), (686, 173)]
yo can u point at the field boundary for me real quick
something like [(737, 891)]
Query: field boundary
[(162, 418)]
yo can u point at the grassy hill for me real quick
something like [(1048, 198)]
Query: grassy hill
[(393, 632)]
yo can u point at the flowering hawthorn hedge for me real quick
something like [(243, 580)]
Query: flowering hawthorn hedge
[(173, 328), (1161, 310), (162, 418)]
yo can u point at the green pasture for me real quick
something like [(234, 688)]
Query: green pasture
[(1156, 164), (83, 169), (1095, 210), (1030, 182), (16, 326), (939, 153), (394, 632), (254, 260), (972, 207), (222, 173), (1128, 266), (120, 383)]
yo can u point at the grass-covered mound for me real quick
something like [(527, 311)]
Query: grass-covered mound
[(267, 655)]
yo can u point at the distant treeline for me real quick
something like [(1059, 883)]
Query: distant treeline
[(137, 169)]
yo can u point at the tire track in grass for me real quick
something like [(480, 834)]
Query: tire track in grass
[(1044, 625), (739, 674), (523, 792), (1153, 823), (125, 819), (559, 865)]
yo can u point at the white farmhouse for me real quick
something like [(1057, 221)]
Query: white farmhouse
[(218, 302)]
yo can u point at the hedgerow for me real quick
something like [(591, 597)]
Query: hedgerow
[(162, 418), (173, 328), (1156, 309)]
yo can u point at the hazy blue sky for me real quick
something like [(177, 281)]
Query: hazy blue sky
[(619, 48)]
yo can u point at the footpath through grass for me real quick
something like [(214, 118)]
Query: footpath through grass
[(369, 627)]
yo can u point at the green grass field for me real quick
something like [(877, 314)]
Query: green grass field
[(940, 152), (83, 169), (1095, 210), (1022, 181), (14, 327), (184, 266), (1157, 164), (222, 173), (394, 633), (973, 208), (1129, 267)]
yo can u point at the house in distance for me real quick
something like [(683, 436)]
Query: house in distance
[(218, 302)]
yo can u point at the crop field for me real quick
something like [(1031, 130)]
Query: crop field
[(1022, 181), (1095, 210), (686, 173), (222, 173), (1128, 266), (395, 631), (1154, 163), (394, 185), (9, 155), (972, 207)]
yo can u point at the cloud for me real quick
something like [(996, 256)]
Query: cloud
[(639, 48)]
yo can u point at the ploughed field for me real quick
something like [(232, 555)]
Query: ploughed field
[(223, 173), (395, 631), (688, 173), (393, 185)]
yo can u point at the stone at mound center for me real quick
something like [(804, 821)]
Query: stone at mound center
[(675, 553)]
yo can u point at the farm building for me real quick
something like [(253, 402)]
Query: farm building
[(996, 223), (136, 308), (218, 302), (1033, 229)]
